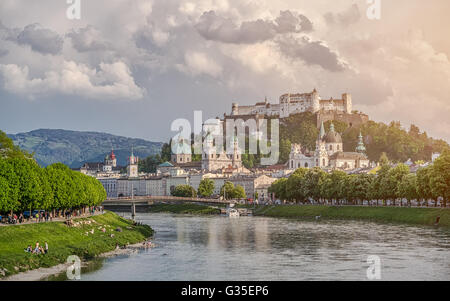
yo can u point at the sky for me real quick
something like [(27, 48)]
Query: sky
[(131, 67)]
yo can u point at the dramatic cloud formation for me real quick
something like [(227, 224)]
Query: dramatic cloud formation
[(177, 56), (87, 39), (39, 39), (213, 27), (111, 81), (312, 53)]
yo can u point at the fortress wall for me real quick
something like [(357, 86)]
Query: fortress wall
[(351, 119)]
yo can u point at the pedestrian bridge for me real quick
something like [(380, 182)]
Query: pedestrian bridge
[(149, 200)]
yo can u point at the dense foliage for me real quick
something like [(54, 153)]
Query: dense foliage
[(229, 191), (24, 185), (389, 183), (206, 188), (184, 191), (398, 144)]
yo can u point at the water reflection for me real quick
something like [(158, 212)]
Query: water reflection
[(257, 248)]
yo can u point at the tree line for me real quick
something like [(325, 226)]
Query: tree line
[(24, 185), (206, 189), (389, 183)]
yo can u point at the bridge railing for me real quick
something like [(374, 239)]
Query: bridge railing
[(165, 198)]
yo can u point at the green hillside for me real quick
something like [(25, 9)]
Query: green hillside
[(73, 148), (398, 143)]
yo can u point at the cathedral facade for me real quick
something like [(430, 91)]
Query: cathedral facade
[(328, 153)]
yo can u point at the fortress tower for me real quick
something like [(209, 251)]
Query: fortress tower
[(347, 98)]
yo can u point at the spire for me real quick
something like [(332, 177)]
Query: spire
[(332, 127), (360, 148), (322, 131)]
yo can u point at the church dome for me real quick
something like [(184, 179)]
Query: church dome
[(333, 137)]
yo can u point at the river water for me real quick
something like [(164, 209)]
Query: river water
[(259, 248)]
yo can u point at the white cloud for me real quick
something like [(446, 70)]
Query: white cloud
[(112, 81), (197, 63)]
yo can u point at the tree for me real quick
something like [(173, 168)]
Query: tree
[(359, 187), (150, 163), (184, 191), (239, 192), (295, 184), (7, 172), (279, 188), (5, 204), (9, 150), (440, 177), (206, 188), (331, 186), (312, 183), (166, 151), (423, 184), (390, 182), (383, 159), (407, 188), (376, 188), (227, 190)]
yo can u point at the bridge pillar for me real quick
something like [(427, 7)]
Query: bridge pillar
[(133, 210)]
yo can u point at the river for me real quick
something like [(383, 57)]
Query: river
[(258, 248)]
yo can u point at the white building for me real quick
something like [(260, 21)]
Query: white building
[(295, 103), (329, 153)]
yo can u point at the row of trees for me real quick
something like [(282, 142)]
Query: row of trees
[(206, 189), (389, 183), (26, 186)]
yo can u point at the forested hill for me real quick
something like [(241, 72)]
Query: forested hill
[(73, 148), (399, 143)]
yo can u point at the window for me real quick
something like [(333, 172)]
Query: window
[(338, 147), (306, 164), (331, 147), (323, 162)]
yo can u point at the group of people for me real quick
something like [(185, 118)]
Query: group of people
[(37, 249), (12, 219), (45, 216)]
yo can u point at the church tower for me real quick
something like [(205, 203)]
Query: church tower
[(360, 148), (321, 155), (236, 159), (132, 168)]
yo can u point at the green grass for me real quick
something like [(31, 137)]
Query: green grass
[(184, 209), (418, 216), (64, 241)]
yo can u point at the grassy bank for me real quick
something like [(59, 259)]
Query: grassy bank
[(184, 209), (64, 241), (417, 216)]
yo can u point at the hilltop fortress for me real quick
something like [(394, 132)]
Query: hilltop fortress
[(289, 104)]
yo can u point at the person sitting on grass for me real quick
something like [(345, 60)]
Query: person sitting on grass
[(37, 249), (29, 249), (46, 248)]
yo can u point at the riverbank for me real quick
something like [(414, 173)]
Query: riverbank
[(184, 209), (86, 240), (413, 216)]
